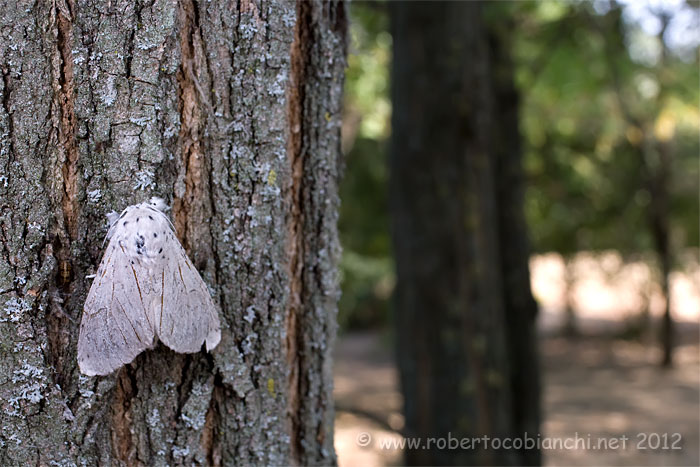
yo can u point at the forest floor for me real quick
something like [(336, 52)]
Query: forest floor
[(596, 387)]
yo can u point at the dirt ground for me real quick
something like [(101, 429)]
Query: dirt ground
[(597, 388)]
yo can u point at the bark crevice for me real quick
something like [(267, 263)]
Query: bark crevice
[(295, 221), (125, 391), (10, 126), (211, 439), (66, 228), (67, 123), (192, 121)]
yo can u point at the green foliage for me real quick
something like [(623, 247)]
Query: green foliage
[(366, 267), (591, 120), (367, 78), (598, 95)]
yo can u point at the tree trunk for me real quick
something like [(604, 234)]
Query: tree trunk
[(452, 348), (230, 111), (465, 313), (514, 242), (570, 328), (656, 155), (660, 228), (659, 217)]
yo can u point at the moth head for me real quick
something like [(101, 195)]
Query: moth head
[(159, 204), (112, 218)]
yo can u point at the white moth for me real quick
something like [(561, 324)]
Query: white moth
[(145, 288)]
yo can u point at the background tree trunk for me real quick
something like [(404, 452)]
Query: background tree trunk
[(230, 111), (452, 350), (656, 154), (658, 165), (520, 307), (464, 311)]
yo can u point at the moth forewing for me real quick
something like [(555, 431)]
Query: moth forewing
[(114, 327), (188, 315)]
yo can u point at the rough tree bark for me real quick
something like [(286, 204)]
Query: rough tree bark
[(230, 111), (464, 311)]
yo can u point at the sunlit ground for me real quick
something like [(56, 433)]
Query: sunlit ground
[(607, 292), (595, 385)]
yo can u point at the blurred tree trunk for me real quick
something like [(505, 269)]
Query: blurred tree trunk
[(659, 169), (656, 155), (570, 327), (229, 110), (660, 227), (520, 306), (464, 312)]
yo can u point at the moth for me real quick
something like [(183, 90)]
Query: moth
[(146, 289)]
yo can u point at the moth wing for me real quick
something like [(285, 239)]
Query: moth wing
[(187, 316), (116, 326)]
